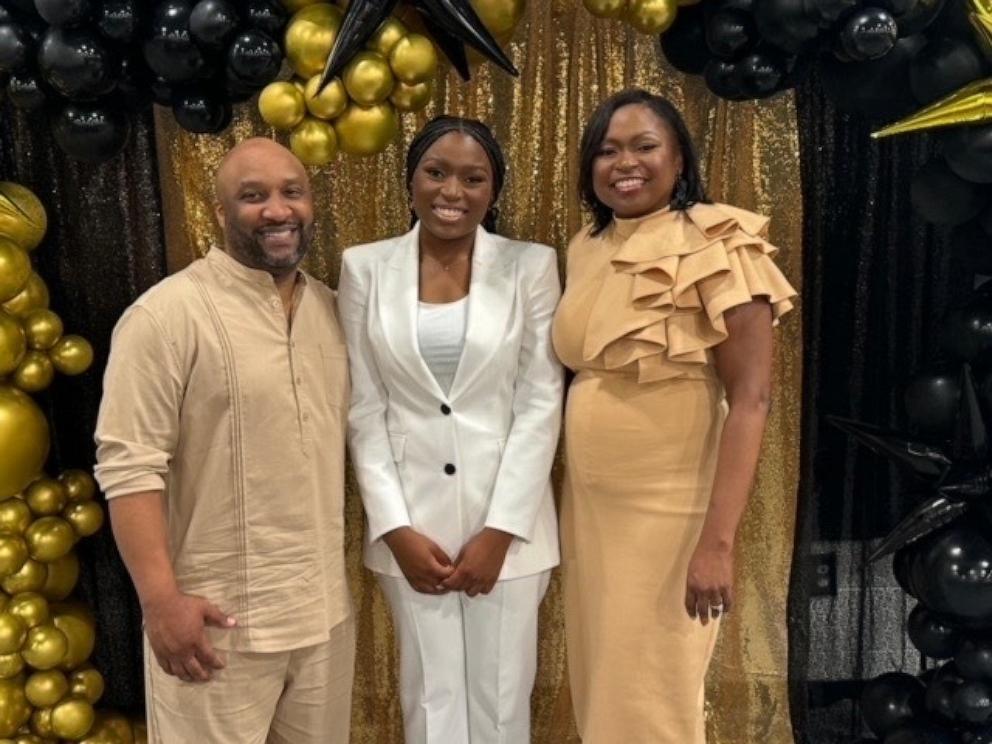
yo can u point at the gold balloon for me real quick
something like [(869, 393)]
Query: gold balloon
[(87, 683), (13, 343), (499, 16), (30, 578), (15, 269), (13, 554), (42, 328), (294, 5), (23, 440), (86, 518), (45, 647), (13, 633), (49, 538), (330, 102), (366, 130), (389, 32), (77, 623), (110, 728), (71, 355), (140, 733), (32, 739), (414, 59), (314, 142), (34, 373), (79, 484), (22, 216), (281, 105), (11, 665), (46, 496), (412, 97), (73, 718), (34, 296), (63, 574), (651, 16), (31, 607), (367, 78), (15, 516), (15, 711), (605, 8), (310, 36), (41, 723), (45, 689)]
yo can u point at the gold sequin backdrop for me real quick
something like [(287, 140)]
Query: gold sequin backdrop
[(569, 62)]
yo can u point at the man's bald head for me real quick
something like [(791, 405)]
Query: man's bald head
[(246, 156)]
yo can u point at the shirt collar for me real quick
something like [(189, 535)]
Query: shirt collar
[(224, 262)]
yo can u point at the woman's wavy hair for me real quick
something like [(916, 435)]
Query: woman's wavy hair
[(442, 125), (691, 192)]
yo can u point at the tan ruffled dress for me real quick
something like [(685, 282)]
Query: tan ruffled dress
[(642, 310)]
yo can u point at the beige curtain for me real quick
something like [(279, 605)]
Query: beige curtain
[(568, 62)]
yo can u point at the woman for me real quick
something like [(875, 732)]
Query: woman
[(454, 421), (667, 319)]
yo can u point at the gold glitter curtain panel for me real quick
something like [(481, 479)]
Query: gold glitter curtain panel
[(569, 62)]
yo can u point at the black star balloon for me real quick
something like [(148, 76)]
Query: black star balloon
[(959, 476)]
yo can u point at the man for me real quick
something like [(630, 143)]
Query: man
[(221, 452)]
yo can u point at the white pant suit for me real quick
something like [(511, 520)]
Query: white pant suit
[(450, 462)]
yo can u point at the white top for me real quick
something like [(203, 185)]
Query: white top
[(441, 335)]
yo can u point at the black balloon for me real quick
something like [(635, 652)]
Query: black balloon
[(974, 659), (939, 698), (91, 132), (759, 75), (212, 23), (931, 401), (15, 43), (919, 16), (201, 112), (265, 15), (77, 64), (169, 50), (952, 572), (684, 43), (898, 8), (971, 248), (827, 12), (729, 33), (973, 703), (64, 12), (922, 733), (943, 66), (931, 635), (254, 58), (942, 197), (161, 91), (785, 23), (722, 79), (967, 330), (868, 34), (902, 563), (981, 735), (25, 91), (969, 152), (878, 88), (119, 20), (891, 700)]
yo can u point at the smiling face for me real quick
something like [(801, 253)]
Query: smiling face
[(265, 206), (637, 164), (452, 187)]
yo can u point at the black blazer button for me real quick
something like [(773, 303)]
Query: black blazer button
[(449, 469), (445, 409)]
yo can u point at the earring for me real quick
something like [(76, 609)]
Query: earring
[(492, 215), (681, 195)]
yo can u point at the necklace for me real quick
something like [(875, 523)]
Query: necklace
[(446, 266)]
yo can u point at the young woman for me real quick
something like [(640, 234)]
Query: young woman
[(455, 415), (667, 319)]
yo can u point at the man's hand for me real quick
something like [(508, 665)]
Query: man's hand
[(479, 563), (421, 560), (175, 626)]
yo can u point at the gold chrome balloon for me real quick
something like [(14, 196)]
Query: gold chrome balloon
[(42, 328), (412, 97), (86, 518), (23, 440), (500, 16), (13, 554), (45, 647), (46, 496), (310, 36), (15, 268), (368, 78), (294, 5), (87, 683), (15, 711), (71, 355), (366, 131), (22, 216), (330, 102), (413, 59), (110, 727), (314, 142), (11, 665), (13, 343), (61, 579), (13, 633), (651, 16), (389, 32), (49, 538), (31, 607), (15, 516), (35, 372), (77, 623), (34, 296), (30, 578), (78, 484), (41, 723), (45, 689), (605, 8), (140, 733), (281, 105), (72, 718)]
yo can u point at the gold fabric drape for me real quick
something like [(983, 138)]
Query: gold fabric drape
[(569, 62)]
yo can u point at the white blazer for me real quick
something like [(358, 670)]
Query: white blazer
[(480, 456)]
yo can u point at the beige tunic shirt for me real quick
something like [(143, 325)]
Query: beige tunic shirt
[(209, 395)]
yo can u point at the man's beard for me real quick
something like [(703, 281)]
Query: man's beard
[(249, 248)]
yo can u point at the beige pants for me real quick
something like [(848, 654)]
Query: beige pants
[(295, 697)]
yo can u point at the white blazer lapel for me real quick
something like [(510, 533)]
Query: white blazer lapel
[(490, 298)]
